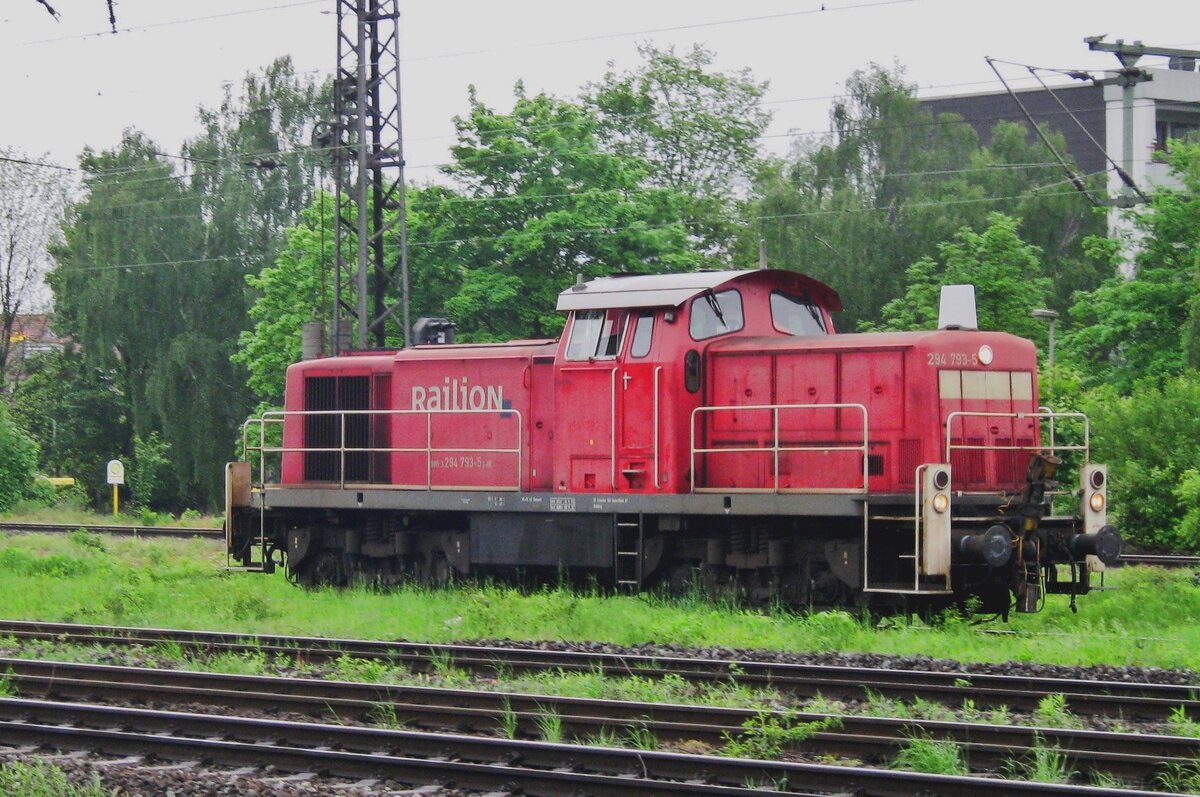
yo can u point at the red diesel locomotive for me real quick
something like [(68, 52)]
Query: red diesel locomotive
[(704, 430)]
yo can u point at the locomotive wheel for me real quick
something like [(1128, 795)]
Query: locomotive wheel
[(327, 570), (435, 570), (685, 578)]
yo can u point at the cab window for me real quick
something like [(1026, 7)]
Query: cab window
[(716, 314), (643, 331), (595, 335), (795, 316)]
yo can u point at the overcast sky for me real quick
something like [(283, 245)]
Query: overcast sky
[(70, 83)]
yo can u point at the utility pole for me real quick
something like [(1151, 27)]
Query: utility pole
[(371, 279), (1128, 76)]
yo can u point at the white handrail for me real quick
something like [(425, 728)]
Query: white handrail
[(278, 417), (776, 448)]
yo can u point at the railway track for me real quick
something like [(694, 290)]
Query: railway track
[(178, 532), (1132, 758), (473, 762), (1160, 560), (1129, 700)]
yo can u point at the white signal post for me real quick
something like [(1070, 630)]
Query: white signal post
[(116, 477)]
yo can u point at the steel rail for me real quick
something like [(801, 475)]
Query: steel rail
[(1132, 757), (1130, 700), (1160, 560), (537, 768), (115, 530)]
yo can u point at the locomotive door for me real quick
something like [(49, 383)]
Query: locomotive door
[(637, 406), (585, 438)]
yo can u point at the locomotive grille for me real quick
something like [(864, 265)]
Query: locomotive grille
[(343, 393)]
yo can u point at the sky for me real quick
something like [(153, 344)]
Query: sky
[(70, 83)]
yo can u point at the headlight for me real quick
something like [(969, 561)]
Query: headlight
[(1096, 502), (941, 502)]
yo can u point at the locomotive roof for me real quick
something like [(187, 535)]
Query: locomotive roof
[(672, 290)]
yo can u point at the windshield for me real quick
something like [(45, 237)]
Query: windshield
[(716, 314), (796, 316)]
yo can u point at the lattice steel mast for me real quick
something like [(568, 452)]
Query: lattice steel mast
[(369, 177)]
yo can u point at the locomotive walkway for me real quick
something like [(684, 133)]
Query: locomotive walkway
[(1126, 699)]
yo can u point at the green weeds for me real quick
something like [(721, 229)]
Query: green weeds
[(549, 724), (766, 734), (932, 756), (1052, 712), (37, 779), (1180, 724), (1180, 778), (1043, 764)]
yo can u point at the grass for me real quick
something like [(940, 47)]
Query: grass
[(36, 513), (38, 779), (1146, 620), (765, 735), (931, 756), (1044, 764), (1052, 712)]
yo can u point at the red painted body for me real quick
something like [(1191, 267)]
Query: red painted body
[(613, 412)]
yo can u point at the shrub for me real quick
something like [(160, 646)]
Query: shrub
[(1150, 443), (18, 461)]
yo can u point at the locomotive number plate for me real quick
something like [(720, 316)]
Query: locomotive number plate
[(951, 358)]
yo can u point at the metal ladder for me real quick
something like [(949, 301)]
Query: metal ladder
[(628, 536)]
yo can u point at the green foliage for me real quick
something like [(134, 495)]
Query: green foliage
[(76, 413), (149, 475), (695, 128), (1180, 724), (538, 201), (1043, 764), (768, 733), (550, 725), (18, 461), (289, 296), (39, 779), (151, 278), (1180, 778), (891, 182), (1149, 440), (1127, 330), (1001, 266), (508, 719), (922, 754), (1052, 712)]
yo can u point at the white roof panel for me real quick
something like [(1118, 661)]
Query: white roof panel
[(642, 290)]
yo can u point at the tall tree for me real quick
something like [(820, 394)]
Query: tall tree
[(1148, 326), (891, 182), (152, 278), (538, 202), (698, 130), (32, 202), (1000, 265)]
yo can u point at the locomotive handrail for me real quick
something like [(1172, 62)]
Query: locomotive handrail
[(1043, 414), (277, 417), (776, 448)]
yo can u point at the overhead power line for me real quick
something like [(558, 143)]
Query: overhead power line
[(1034, 193)]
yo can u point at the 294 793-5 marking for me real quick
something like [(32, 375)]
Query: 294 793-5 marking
[(951, 358)]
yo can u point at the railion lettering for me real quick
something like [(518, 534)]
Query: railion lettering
[(456, 395)]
